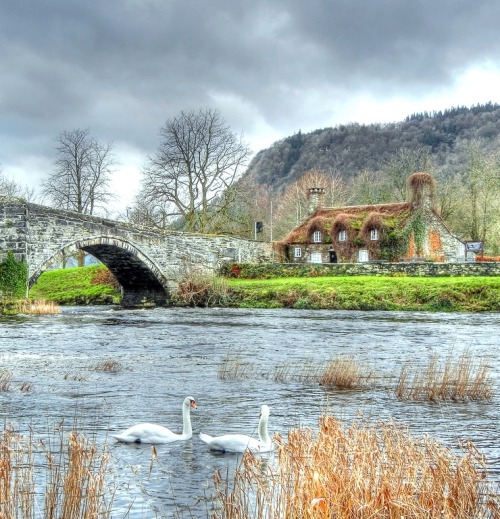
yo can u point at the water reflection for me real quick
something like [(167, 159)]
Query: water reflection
[(167, 354)]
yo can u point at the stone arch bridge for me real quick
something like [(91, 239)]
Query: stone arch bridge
[(148, 263)]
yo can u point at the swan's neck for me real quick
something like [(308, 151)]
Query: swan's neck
[(186, 422), (263, 434)]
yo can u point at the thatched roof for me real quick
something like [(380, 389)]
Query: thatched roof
[(373, 221), (334, 219), (342, 221), (318, 223)]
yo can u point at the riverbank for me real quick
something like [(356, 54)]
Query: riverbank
[(463, 294), (95, 285)]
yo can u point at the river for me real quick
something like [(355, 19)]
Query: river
[(168, 354)]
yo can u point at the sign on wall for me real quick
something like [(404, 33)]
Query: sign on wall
[(473, 246)]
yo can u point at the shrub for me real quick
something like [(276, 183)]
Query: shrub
[(201, 289), (13, 276), (103, 276), (487, 258)]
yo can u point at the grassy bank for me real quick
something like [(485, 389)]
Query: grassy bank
[(92, 285), (95, 285), (464, 294)]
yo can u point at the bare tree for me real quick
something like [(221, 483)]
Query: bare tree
[(198, 159), (293, 206), (400, 166), (9, 188), (367, 187), (479, 211), (82, 173)]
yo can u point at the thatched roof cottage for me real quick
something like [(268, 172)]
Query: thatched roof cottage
[(392, 232)]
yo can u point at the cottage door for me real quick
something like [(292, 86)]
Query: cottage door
[(316, 257), (363, 255)]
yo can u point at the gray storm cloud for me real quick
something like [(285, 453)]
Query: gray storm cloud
[(121, 68)]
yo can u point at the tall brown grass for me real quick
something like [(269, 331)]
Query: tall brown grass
[(201, 289), (359, 472), (39, 307), (110, 366), (5, 379), (340, 372), (73, 469), (343, 373), (459, 380), (233, 367)]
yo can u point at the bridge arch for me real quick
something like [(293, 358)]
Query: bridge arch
[(141, 279), (146, 261)]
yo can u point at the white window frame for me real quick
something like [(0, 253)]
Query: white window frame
[(374, 234), (317, 237), (343, 235), (297, 252)]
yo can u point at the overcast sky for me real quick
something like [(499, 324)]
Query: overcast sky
[(121, 68)]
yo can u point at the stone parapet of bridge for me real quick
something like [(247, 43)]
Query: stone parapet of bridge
[(148, 263)]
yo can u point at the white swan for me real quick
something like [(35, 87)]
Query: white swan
[(155, 434), (242, 442)]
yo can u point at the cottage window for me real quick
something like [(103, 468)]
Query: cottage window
[(343, 235), (317, 238), (297, 253), (374, 234)]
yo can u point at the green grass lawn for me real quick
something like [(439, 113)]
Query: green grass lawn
[(370, 293), (89, 285), (74, 286)]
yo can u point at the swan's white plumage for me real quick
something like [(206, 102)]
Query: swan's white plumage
[(155, 434), (242, 442)]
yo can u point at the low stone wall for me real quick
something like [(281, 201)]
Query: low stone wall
[(410, 269)]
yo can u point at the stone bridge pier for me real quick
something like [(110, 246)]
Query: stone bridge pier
[(148, 263)]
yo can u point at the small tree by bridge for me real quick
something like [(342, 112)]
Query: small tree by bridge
[(80, 181), (83, 167)]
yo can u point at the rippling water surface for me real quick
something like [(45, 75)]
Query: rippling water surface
[(168, 354)]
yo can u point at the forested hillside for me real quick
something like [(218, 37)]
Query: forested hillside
[(351, 148)]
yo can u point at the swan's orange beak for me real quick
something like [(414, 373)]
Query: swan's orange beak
[(193, 404)]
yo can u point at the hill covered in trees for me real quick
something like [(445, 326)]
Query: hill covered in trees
[(351, 148)]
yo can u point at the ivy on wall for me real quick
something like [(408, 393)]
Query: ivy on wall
[(13, 276), (396, 243)]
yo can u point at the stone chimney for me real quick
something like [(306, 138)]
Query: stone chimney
[(421, 187), (315, 199)]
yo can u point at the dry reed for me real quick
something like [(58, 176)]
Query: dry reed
[(110, 366), (343, 373), (460, 380), (74, 471), (5, 379), (39, 307), (78, 377), (233, 367), (26, 387), (361, 472)]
